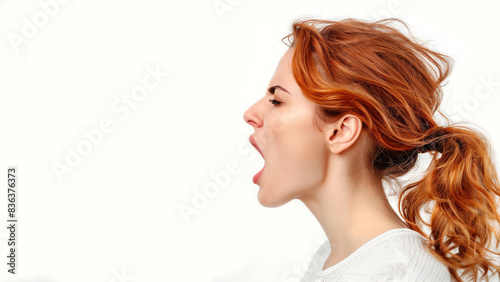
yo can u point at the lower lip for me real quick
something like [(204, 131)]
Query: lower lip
[(256, 177)]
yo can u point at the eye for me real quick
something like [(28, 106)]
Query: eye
[(274, 102)]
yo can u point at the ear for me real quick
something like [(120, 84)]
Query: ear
[(344, 133)]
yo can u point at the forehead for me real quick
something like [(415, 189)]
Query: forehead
[(283, 73)]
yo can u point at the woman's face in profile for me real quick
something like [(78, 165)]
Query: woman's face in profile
[(293, 149)]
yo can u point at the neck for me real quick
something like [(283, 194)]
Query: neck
[(351, 210)]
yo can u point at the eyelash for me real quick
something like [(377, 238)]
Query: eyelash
[(274, 102)]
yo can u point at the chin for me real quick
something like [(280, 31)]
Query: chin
[(271, 201)]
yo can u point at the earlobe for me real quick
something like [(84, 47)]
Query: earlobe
[(344, 133)]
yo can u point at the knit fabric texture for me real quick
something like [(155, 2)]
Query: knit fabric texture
[(395, 255)]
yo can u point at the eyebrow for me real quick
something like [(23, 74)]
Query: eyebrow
[(271, 89)]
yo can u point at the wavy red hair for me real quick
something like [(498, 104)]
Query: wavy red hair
[(393, 84)]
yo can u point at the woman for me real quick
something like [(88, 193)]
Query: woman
[(351, 105)]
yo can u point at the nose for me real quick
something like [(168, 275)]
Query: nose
[(253, 115)]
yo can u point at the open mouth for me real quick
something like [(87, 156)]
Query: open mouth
[(256, 176)]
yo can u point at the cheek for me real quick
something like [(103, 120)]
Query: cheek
[(278, 125), (304, 154), (299, 150)]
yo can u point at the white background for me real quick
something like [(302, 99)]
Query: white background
[(115, 216)]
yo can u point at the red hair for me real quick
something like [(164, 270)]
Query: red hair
[(393, 84)]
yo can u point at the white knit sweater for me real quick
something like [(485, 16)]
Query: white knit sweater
[(396, 255)]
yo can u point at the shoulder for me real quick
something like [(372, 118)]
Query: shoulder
[(409, 259), (397, 255)]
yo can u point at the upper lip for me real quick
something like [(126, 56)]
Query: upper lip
[(252, 141)]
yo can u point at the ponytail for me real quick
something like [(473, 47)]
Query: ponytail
[(393, 84), (462, 183)]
